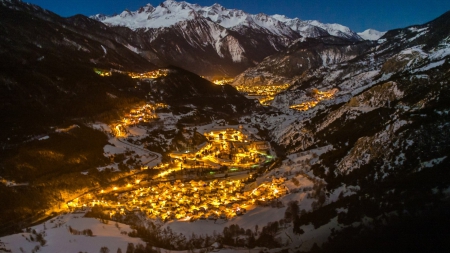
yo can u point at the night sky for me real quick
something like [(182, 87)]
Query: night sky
[(359, 15)]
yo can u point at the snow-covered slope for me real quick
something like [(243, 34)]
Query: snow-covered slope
[(65, 234), (405, 73), (371, 34)]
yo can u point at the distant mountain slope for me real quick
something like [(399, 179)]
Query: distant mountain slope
[(303, 55)]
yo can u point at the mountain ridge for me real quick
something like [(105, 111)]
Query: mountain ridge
[(170, 12), (219, 41)]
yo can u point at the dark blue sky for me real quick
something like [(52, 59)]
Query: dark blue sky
[(359, 15)]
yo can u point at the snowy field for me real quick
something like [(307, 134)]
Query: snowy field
[(121, 146), (59, 239), (258, 216)]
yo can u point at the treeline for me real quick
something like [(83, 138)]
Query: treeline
[(44, 161), (86, 232), (233, 235), (157, 236), (49, 167)]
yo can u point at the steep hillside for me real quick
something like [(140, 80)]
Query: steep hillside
[(47, 69), (188, 93), (383, 131), (405, 74)]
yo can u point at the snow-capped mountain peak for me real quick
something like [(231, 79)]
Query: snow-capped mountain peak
[(215, 33), (314, 28), (281, 18), (371, 34), (147, 9), (171, 12)]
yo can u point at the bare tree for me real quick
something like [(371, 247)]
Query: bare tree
[(104, 249)]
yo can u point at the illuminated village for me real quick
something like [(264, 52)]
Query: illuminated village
[(265, 93), (187, 201), (205, 181), (318, 96), (212, 195)]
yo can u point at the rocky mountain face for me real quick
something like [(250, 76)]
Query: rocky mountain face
[(403, 74), (385, 130), (213, 40)]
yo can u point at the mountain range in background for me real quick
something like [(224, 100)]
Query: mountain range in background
[(213, 40)]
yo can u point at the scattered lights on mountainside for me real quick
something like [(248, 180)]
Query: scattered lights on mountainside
[(304, 106), (146, 75), (318, 96), (150, 75), (265, 93)]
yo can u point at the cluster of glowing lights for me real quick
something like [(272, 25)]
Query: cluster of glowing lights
[(102, 72), (269, 191), (149, 75), (266, 100), (146, 75), (191, 200), (265, 92), (318, 96), (223, 81), (137, 115), (305, 105), (226, 147)]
